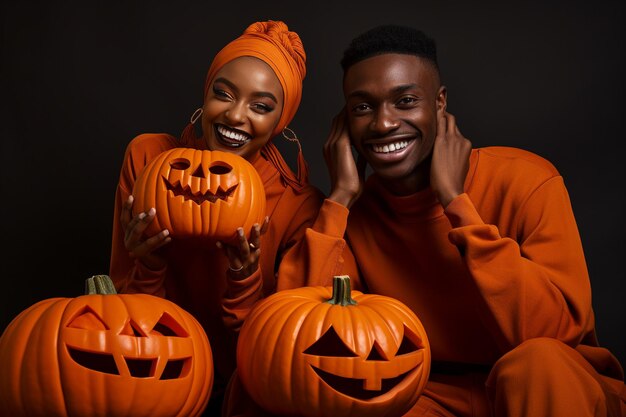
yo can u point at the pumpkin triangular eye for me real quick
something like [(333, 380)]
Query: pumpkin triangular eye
[(377, 353), (167, 326), (330, 344), (88, 319), (407, 345), (132, 329)]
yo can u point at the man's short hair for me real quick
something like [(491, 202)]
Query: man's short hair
[(390, 38)]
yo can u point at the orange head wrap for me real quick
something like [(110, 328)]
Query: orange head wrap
[(281, 49)]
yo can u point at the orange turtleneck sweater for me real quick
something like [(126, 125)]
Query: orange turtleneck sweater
[(503, 263)]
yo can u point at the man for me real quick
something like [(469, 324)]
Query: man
[(481, 243)]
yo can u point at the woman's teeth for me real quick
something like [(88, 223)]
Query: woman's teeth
[(237, 138), (390, 147)]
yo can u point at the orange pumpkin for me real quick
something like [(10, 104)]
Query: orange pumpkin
[(310, 352), (104, 354), (200, 193)]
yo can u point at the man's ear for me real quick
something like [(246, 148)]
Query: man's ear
[(442, 98)]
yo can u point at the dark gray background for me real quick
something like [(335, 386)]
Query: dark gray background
[(81, 79)]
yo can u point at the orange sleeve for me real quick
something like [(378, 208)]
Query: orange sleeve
[(130, 275), (314, 252), (240, 297), (536, 285), (321, 253)]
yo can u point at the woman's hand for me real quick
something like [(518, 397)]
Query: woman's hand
[(243, 256), (347, 176), (137, 245)]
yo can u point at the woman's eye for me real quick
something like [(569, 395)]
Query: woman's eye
[(221, 93), (262, 108)]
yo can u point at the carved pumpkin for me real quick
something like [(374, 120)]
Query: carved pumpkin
[(200, 193), (104, 354), (310, 352)]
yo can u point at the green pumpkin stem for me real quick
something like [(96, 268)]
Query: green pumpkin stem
[(99, 284), (341, 291)]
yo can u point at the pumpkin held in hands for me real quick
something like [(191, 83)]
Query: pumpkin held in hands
[(312, 352), (104, 354), (200, 193)]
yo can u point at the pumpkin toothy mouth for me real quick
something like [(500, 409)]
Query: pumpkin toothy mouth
[(353, 387), (138, 368), (199, 198)]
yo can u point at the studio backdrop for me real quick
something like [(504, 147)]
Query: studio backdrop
[(81, 79)]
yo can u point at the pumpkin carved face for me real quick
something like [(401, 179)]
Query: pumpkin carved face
[(105, 355), (366, 375), (200, 193), (300, 353)]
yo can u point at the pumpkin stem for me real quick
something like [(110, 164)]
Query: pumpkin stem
[(99, 284), (341, 291)]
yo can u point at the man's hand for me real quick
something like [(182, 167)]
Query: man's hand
[(347, 176), (450, 161)]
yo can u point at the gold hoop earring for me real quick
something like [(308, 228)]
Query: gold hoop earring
[(196, 115), (291, 136)]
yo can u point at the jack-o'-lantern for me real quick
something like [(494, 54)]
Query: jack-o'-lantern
[(312, 352), (200, 193), (104, 354)]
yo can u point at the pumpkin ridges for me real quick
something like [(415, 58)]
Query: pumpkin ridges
[(201, 388), (391, 332), (157, 198), (302, 316), (35, 341), (40, 328), (257, 205), (271, 337), (218, 220), (267, 333), (12, 344)]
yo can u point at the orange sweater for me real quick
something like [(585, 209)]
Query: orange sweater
[(195, 276), (502, 264)]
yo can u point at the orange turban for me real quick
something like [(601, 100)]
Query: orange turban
[(281, 49)]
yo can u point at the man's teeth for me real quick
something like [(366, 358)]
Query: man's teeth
[(390, 147), (232, 135)]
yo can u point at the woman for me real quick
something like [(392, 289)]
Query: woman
[(252, 91)]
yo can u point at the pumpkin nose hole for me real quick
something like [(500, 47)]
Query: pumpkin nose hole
[(198, 173), (220, 168)]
